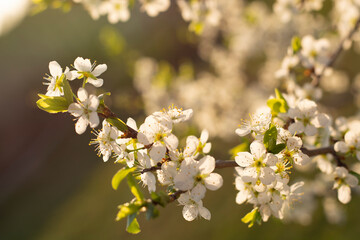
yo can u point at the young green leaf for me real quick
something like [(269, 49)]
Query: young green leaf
[(127, 209), (132, 225), (151, 211), (52, 104), (252, 217), (270, 138), (118, 123), (278, 148), (68, 93), (134, 188), (120, 175), (296, 44)]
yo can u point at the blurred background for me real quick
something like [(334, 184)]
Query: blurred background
[(52, 184)]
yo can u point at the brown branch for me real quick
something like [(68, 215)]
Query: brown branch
[(325, 150), (175, 195), (335, 55)]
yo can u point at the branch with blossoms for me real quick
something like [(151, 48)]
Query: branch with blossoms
[(282, 136)]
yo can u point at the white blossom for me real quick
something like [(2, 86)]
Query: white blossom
[(106, 141), (88, 71), (257, 164), (196, 176), (343, 181), (55, 86), (85, 110), (307, 119), (192, 208)]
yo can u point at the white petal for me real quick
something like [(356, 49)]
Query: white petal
[(207, 148), (99, 69), (131, 123), (351, 180), (321, 120), (301, 159), (198, 192), (242, 131), (249, 175), (55, 69), (82, 94), (94, 119), (257, 149), (204, 136), (171, 141), (82, 65), (297, 127), (71, 75), (149, 179), (81, 124), (341, 146), (244, 159), (96, 82), (205, 213), (267, 176), (157, 152), (344, 194), (214, 181), (270, 159), (93, 103), (184, 199), (190, 212), (241, 197), (75, 109), (207, 164), (310, 130), (265, 212)]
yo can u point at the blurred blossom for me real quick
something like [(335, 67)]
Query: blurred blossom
[(11, 13), (337, 82)]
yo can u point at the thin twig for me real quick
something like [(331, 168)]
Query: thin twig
[(335, 55), (325, 150)]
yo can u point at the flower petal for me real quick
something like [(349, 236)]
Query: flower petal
[(101, 68), (213, 182), (198, 192), (82, 94), (55, 69), (81, 125), (190, 212), (96, 82), (244, 159), (207, 164)]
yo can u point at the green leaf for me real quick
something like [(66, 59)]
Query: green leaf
[(270, 138), (127, 209), (252, 217), (68, 93), (277, 104), (296, 44), (160, 198), (134, 188), (118, 123), (279, 95), (151, 211), (119, 176), (52, 104), (243, 147), (278, 148), (132, 225)]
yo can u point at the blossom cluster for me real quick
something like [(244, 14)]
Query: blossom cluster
[(153, 150)]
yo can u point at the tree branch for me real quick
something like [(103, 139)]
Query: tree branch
[(335, 55), (325, 150)]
